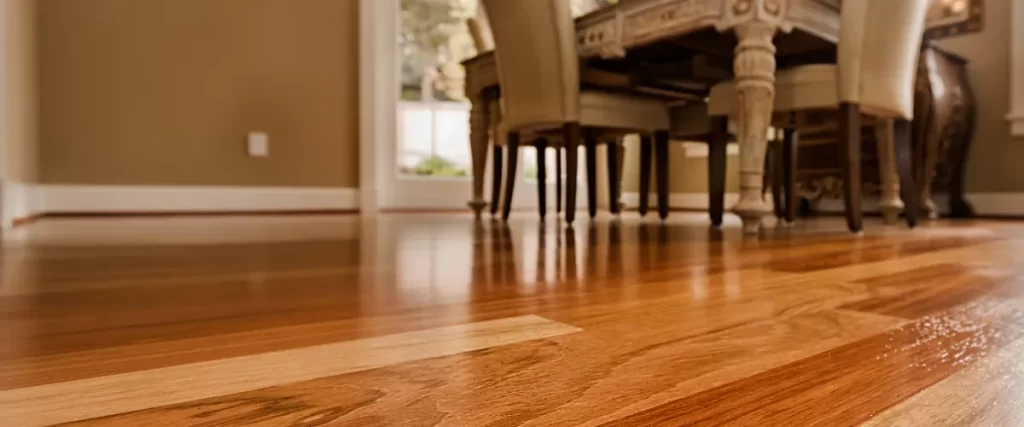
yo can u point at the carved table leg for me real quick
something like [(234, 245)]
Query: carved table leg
[(890, 203), (754, 67), (479, 136)]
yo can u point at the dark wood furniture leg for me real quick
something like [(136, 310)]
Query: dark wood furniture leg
[(510, 177), (496, 182), (613, 177), (790, 155), (661, 139), (591, 149), (905, 166), (571, 136), (542, 178), (849, 134), (646, 148), (716, 168), (558, 179)]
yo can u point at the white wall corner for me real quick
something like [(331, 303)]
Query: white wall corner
[(1016, 116), (20, 201)]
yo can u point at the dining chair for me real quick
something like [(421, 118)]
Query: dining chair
[(539, 74), (483, 41), (691, 123), (879, 42)]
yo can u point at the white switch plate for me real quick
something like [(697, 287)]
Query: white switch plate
[(258, 144)]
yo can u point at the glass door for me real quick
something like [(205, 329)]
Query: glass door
[(432, 161)]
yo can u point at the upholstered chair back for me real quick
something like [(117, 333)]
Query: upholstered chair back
[(538, 67), (879, 43)]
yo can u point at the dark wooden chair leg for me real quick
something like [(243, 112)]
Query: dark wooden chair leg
[(613, 177), (646, 147), (849, 134), (778, 183), (770, 179), (591, 150), (790, 155), (510, 177), (571, 136), (542, 177), (905, 166), (661, 139), (716, 168), (558, 179), (499, 163)]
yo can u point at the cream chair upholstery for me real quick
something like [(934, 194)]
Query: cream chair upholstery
[(483, 41), (876, 65), (539, 73)]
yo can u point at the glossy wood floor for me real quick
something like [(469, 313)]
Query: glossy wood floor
[(423, 320)]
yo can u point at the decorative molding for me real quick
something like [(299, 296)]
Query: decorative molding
[(23, 201), (1016, 116)]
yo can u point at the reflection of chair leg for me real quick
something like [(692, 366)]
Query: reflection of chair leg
[(572, 139), (496, 182), (542, 181), (646, 145), (591, 142), (510, 180), (661, 157), (790, 155), (558, 179), (905, 165), (613, 177), (717, 145), (849, 134)]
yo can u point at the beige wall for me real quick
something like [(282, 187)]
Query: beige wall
[(995, 157), (20, 105), (163, 92)]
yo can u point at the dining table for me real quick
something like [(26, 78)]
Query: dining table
[(755, 36)]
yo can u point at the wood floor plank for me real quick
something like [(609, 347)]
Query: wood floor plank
[(857, 380), (790, 323), (565, 380), (988, 393), (96, 397), (919, 292)]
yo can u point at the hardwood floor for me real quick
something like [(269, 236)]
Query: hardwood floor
[(416, 319)]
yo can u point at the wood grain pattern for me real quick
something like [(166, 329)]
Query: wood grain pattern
[(96, 397), (988, 393), (486, 387), (667, 314), (870, 375)]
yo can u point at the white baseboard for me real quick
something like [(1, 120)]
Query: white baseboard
[(26, 200), (679, 200), (997, 204), (991, 204)]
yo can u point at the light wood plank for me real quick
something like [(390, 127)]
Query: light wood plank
[(97, 397), (988, 393)]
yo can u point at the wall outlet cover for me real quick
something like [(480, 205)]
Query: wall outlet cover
[(258, 144)]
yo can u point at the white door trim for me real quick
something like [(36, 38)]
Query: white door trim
[(379, 78)]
